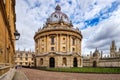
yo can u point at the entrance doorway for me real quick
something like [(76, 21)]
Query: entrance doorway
[(75, 62), (94, 64), (51, 62)]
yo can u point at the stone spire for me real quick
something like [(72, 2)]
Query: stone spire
[(113, 46)]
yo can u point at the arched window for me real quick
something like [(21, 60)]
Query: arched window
[(64, 62), (73, 49), (94, 64), (41, 61), (63, 48), (75, 62)]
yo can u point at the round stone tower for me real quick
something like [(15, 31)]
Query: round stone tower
[(58, 44)]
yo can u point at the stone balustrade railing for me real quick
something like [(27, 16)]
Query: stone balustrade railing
[(55, 28)]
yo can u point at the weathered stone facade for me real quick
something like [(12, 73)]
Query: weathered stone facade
[(7, 29), (24, 58), (58, 44), (96, 59)]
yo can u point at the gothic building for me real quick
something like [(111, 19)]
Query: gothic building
[(58, 44), (24, 58), (113, 50), (97, 60)]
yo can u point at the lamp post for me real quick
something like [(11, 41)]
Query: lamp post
[(17, 35)]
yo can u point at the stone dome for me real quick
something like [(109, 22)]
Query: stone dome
[(58, 16)]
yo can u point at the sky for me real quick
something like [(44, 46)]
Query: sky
[(98, 20)]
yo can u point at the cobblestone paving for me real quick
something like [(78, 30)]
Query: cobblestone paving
[(33, 74)]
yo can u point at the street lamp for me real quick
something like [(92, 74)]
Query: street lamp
[(17, 35)]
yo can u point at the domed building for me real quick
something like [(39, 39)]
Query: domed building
[(58, 44)]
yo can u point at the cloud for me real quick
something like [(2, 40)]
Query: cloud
[(99, 21), (102, 34)]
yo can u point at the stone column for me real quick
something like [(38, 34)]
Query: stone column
[(60, 42), (80, 46), (40, 44), (67, 43), (46, 44), (77, 45), (57, 44), (70, 41), (37, 45)]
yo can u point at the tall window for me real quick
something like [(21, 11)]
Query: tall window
[(63, 48), (73, 41), (73, 49), (41, 61), (52, 40), (26, 59), (42, 49), (64, 61)]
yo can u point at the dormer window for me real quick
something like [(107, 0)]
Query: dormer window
[(55, 16)]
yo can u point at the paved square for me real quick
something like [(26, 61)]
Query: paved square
[(33, 74)]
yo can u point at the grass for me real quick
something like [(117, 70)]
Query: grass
[(86, 70)]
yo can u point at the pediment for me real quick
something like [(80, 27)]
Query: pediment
[(75, 54)]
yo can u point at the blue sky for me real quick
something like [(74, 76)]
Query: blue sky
[(98, 20)]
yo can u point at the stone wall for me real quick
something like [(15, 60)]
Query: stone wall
[(105, 62), (7, 29), (60, 60)]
